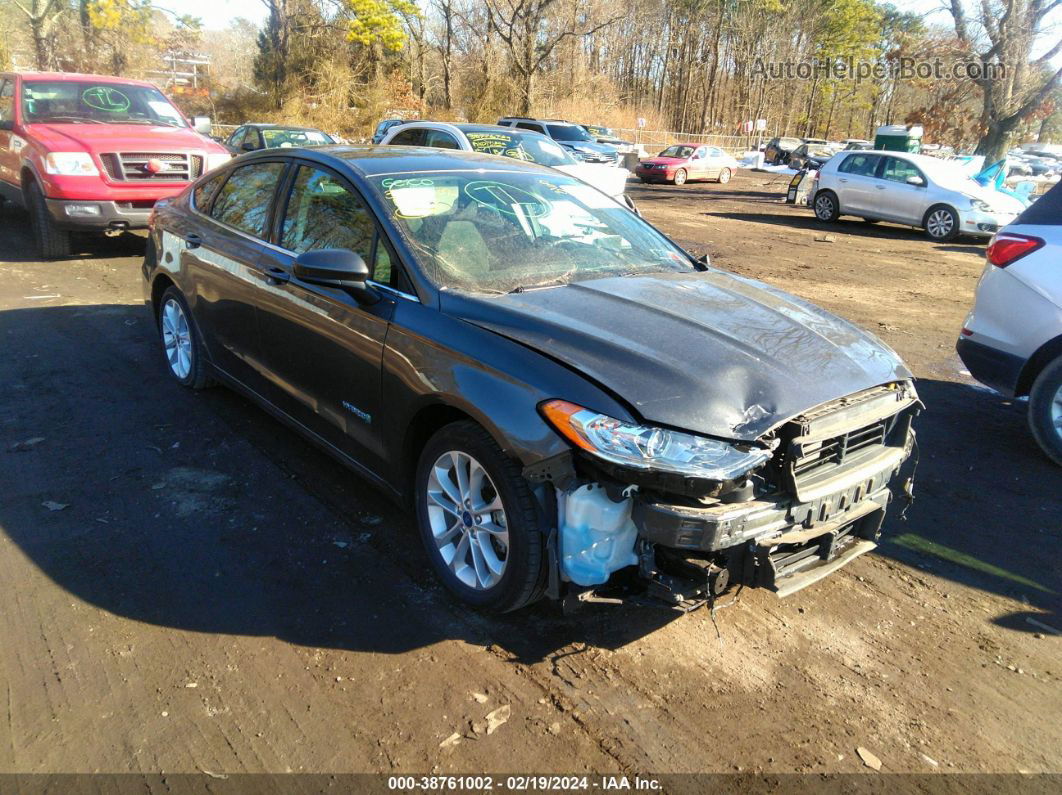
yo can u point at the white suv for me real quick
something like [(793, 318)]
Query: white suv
[(1012, 339), (910, 189)]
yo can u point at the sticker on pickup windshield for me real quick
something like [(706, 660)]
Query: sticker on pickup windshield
[(106, 99)]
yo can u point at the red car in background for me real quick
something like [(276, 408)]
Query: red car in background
[(682, 162), (88, 152)]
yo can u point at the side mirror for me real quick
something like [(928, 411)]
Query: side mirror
[(202, 125), (7, 124), (918, 182), (336, 267)]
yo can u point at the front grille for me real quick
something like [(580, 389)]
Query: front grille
[(840, 436), (812, 456), (152, 166)]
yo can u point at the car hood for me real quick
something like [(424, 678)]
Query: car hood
[(607, 179), (708, 352), (122, 137)]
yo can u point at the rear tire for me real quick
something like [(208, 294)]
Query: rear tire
[(52, 242), (464, 543), (680, 177), (826, 206), (724, 176), (941, 223), (184, 354), (1045, 410)]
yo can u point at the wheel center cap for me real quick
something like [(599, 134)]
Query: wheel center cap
[(466, 518)]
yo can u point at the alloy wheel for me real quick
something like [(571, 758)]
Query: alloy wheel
[(1056, 412), (824, 208), (177, 339), (724, 176), (940, 223), (680, 177), (467, 519)]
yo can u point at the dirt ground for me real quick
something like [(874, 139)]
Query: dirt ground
[(186, 586)]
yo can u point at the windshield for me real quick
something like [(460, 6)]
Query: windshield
[(507, 231), (285, 138), (521, 146), (677, 151), (568, 132), (100, 103)]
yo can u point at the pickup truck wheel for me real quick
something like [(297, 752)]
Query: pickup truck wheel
[(477, 520), (52, 242), (826, 208), (941, 223), (1045, 410), (180, 341)]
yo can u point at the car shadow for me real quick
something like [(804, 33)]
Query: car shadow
[(197, 511), (854, 226), (21, 247)]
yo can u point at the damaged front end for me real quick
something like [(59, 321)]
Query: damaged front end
[(682, 521)]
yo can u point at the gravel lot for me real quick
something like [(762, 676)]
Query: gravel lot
[(208, 592)]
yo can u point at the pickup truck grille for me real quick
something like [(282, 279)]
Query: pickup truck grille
[(152, 166)]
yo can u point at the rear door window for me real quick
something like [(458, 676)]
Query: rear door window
[(7, 100), (205, 191), (859, 165), (526, 125), (245, 199), (898, 170), (413, 137)]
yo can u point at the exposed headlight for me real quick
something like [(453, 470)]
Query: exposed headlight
[(215, 159), (70, 164), (647, 448)]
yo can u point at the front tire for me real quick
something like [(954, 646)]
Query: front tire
[(478, 520), (941, 223), (680, 177), (826, 206), (724, 176), (1045, 410), (52, 242), (180, 341)]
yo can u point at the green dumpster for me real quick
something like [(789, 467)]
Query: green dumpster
[(899, 138)]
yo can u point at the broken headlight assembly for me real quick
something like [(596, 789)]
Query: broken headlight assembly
[(650, 449)]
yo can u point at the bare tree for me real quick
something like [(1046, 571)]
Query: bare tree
[(42, 15), (1013, 84)]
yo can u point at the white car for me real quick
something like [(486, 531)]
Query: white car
[(509, 142), (1012, 339), (910, 189)]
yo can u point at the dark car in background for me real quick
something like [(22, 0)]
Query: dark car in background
[(778, 150), (571, 136), (810, 156), (384, 126), (252, 137), (560, 392)]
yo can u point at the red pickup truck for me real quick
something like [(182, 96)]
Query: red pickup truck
[(87, 152)]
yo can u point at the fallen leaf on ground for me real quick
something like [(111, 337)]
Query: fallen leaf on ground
[(498, 717), (480, 697), (453, 739), (868, 758)]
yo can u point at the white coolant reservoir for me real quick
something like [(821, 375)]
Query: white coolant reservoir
[(596, 536)]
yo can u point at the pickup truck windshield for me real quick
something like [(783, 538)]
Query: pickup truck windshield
[(85, 102), (508, 231)]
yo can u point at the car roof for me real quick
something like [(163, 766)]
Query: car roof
[(376, 159), (79, 77)]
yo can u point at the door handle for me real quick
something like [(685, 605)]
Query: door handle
[(880, 187), (192, 241), (842, 179), (277, 276)]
